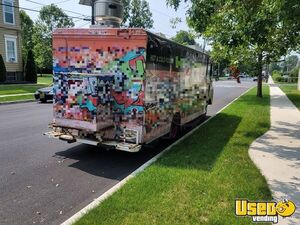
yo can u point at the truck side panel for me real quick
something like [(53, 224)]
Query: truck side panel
[(176, 84)]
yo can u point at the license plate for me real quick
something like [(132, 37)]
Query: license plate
[(42, 95)]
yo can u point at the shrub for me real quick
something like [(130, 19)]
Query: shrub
[(2, 70), (30, 68), (280, 79), (291, 77), (277, 76)]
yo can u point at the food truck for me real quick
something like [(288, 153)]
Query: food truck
[(124, 87)]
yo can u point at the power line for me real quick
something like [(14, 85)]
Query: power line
[(60, 2), (164, 14), (56, 4), (75, 21), (33, 10), (82, 25)]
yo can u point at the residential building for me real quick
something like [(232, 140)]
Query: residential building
[(10, 39)]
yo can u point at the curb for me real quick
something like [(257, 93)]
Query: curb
[(16, 102), (115, 188)]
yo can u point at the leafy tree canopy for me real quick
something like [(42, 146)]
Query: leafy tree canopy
[(275, 66), (185, 38), (27, 32), (126, 12), (50, 18), (54, 17), (30, 68), (2, 70), (137, 14), (291, 62), (175, 21)]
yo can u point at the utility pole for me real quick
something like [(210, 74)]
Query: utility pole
[(299, 80), (93, 12)]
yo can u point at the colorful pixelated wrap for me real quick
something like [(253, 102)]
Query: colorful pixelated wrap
[(94, 85), (104, 83)]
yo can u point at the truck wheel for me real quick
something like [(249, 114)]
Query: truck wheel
[(175, 126)]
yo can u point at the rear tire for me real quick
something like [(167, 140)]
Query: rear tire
[(175, 130)]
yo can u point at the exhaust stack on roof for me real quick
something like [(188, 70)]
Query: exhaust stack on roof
[(105, 13)]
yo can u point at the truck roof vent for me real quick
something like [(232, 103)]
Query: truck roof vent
[(106, 13)]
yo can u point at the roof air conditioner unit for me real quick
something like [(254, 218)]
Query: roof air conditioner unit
[(107, 13)]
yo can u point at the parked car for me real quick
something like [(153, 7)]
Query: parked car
[(286, 77), (254, 78), (44, 94)]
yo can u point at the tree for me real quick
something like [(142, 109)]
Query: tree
[(291, 62), (27, 32), (248, 68), (140, 14), (137, 14), (247, 31), (54, 17), (185, 38), (30, 68), (175, 21), (2, 70), (50, 18), (274, 66), (126, 11), (42, 46)]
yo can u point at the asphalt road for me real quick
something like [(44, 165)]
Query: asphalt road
[(44, 181)]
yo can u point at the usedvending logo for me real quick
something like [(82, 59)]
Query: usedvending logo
[(264, 211)]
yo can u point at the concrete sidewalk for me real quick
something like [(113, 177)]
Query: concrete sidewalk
[(277, 153)]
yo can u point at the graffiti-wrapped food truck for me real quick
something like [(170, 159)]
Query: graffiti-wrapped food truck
[(122, 88)]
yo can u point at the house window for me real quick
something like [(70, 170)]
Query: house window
[(11, 49), (8, 11)]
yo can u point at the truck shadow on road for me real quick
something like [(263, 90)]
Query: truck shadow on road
[(114, 164), (100, 162)]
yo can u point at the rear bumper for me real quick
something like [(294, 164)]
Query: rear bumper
[(121, 146), (45, 97)]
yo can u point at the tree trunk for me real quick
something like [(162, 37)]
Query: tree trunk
[(259, 76)]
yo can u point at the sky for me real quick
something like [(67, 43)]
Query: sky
[(161, 14)]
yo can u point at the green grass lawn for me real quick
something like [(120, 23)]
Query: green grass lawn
[(198, 180), (45, 79), (17, 98), (292, 93), (10, 89)]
